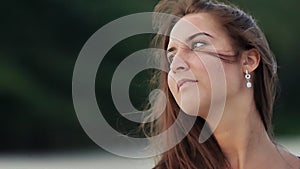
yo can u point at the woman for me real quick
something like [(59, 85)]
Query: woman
[(243, 137)]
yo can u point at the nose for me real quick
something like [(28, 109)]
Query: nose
[(179, 65)]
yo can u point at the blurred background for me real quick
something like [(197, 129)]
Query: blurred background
[(40, 42)]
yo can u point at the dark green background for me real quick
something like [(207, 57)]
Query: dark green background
[(40, 42)]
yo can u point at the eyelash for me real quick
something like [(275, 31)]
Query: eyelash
[(170, 57), (195, 43)]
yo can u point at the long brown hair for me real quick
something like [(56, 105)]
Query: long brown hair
[(245, 34)]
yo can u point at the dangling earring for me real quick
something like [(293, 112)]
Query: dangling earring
[(248, 76)]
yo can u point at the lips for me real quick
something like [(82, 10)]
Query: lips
[(181, 82)]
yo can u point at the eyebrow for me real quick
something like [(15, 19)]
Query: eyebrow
[(198, 34), (191, 38)]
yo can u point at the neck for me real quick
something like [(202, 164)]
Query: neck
[(242, 136)]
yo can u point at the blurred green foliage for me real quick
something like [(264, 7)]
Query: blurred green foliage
[(40, 42)]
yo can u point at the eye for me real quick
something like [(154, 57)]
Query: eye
[(170, 58), (198, 44)]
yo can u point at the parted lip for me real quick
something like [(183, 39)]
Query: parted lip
[(182, 81)]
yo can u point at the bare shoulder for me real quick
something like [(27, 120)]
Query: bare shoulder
[(291, 159), (298, 158), (295, 161)]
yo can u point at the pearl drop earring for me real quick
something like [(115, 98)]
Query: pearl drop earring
[(248, 76)]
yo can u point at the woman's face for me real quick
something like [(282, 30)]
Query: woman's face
[(198, 79)]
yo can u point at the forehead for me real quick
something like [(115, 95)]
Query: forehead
[(194, 23)]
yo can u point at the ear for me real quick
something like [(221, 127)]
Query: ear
[(250, 60)]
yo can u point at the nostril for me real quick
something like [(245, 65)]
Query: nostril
[(179, 65), (180, 68)]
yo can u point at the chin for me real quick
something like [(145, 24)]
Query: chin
[(193, 103)]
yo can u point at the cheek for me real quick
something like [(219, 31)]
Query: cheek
[(172, 85), (234, 80)]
